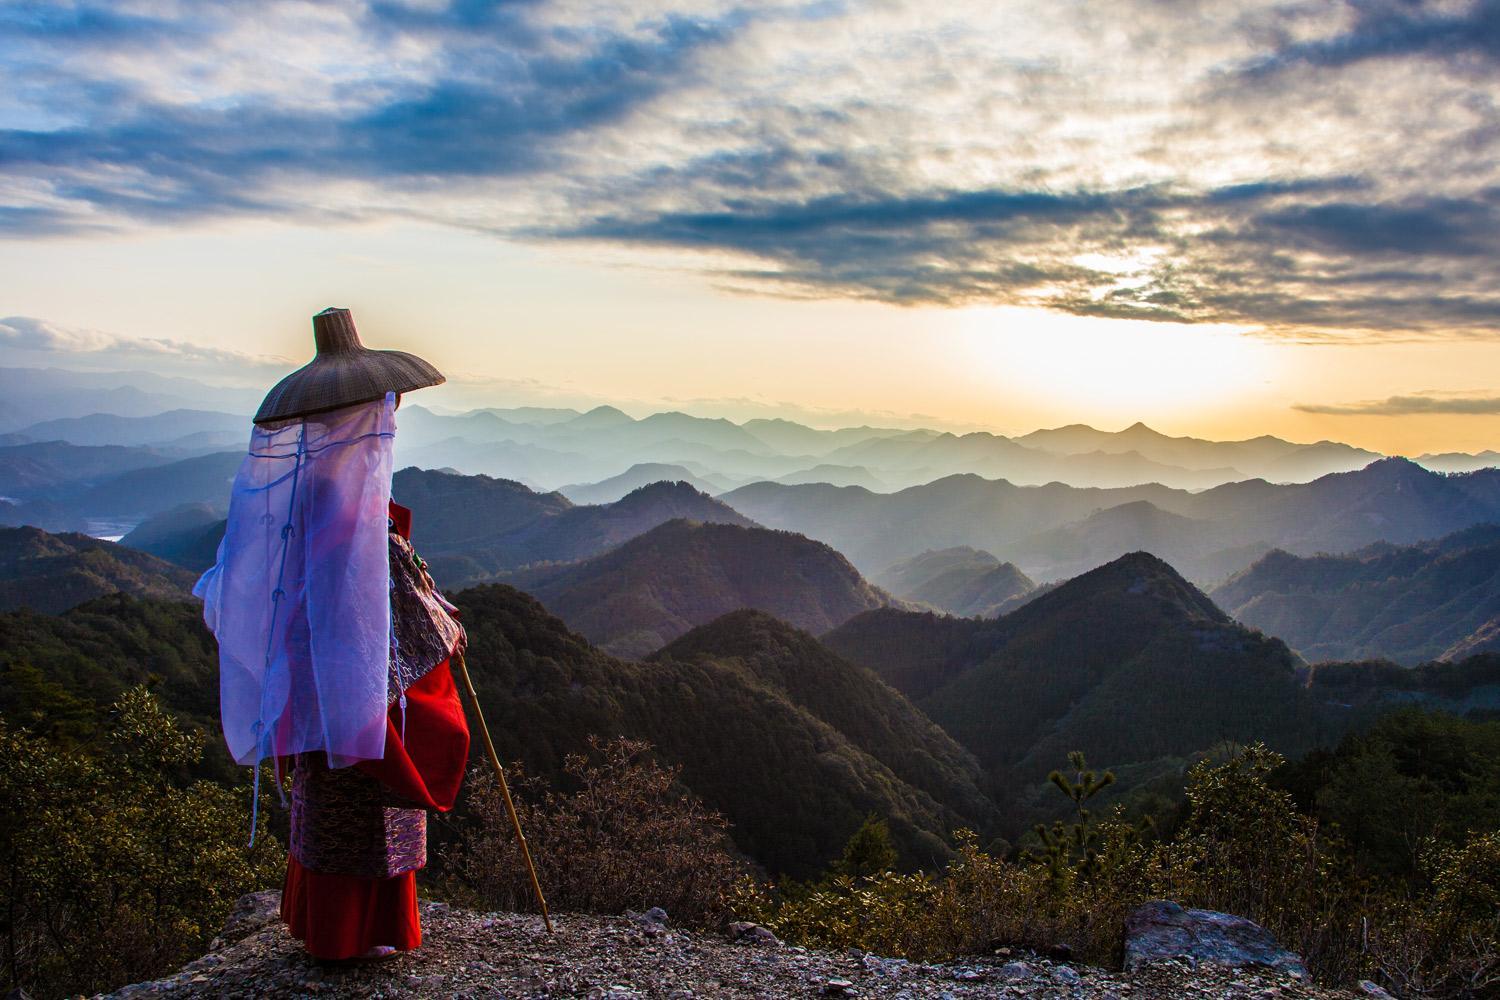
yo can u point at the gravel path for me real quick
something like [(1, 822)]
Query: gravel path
[(468, 954)]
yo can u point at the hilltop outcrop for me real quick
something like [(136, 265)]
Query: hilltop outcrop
[(468, 954)]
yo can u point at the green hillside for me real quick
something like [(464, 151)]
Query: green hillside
[(1408, 603), (793, 784), (636, 598), (1129, 663), (960, 580), (52, 573), (872, 714)]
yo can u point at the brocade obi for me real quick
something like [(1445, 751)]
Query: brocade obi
[(345, 822), (342, 825)]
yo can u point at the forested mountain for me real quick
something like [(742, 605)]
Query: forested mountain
[(471, 527), (60, 673), (1129, 663), (961, 580), (139, 494), (870, 713), (612, 489), (32, 469), (1405, 603), (1359, 691), (1192, 545), (187, 535), (52, 573), (1390, 500), (878, 530), (654, 588), (795, 744), (836, 475), (1484, 639), (794, 785)]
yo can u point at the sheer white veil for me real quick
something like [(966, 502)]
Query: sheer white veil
[(300, 595)]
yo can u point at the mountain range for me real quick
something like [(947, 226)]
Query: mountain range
[(473, 528), (1129, 663), (1056, 531), (795, 746), (30, 395), (1408, 603), (962, 581), (590, 455), (931, 721), (53, 573), (635, 598)]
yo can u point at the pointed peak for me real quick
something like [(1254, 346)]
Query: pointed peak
[(745, 632), (601, 416), (664, 488), (1132, 576)]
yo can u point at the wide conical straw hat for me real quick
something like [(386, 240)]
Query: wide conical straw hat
[(343, 373)]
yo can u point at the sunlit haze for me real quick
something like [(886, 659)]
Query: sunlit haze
[(1224, 220)]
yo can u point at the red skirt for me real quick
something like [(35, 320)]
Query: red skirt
[(344, 916)]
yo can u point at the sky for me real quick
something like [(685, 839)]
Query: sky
[(1221, 218)]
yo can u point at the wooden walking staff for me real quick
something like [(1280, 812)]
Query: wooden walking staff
[(489, 746)]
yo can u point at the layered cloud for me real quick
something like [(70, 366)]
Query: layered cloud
[(29, 338), (1312, 170), (1447, 404)]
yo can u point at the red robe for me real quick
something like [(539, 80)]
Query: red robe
[(344, 916)]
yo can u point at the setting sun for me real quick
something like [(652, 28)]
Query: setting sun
[(1113, 370)]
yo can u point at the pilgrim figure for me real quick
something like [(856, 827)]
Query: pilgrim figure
[(334, 646)]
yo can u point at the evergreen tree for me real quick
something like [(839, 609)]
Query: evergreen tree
[(868, 853), (1062, 843)]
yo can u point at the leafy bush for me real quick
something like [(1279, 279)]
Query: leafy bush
[(1446, 943), (118, 869), (1242, 846), (626, 837)]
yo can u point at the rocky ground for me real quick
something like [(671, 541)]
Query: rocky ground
[(468, 954)]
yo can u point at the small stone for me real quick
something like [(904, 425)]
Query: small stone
[(1370, 989), (884, 966), (1015, 972), (838, 988), (1067, 975), (745, 932)]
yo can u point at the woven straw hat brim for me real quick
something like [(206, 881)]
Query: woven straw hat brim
[(334, 381)]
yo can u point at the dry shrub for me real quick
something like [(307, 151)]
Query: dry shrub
[(626, 837), (981, 902), (115, 871), (1243, 848), (1445, 943)]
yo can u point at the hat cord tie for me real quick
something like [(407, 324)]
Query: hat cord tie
[(262, 736), (398, 666)]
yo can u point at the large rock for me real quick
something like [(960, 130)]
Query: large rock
[(1161, 929)]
